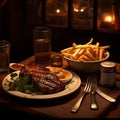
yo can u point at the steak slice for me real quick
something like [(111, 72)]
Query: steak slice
[(44, 80)]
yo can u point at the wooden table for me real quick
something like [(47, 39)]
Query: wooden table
[(21, 108)]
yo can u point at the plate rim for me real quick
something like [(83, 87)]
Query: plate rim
[(75, 79)]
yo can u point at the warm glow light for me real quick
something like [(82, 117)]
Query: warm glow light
[(81, 10), (58, 11), (108, 18), (76, 10)]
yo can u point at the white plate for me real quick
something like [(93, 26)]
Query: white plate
[(70, 88)]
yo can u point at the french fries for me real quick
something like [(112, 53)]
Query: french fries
[(86, 52)]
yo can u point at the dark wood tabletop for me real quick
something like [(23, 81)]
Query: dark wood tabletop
[(60, 107)]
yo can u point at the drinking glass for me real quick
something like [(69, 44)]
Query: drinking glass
[(42, 45), (4, 55)]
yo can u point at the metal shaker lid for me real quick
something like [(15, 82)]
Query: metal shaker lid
[(108, 66)]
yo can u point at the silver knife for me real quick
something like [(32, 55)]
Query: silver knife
[(94, 105), (110, 99)]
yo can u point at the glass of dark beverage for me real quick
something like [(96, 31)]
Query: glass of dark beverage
[(42, 45)]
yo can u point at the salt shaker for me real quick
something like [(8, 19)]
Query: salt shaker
[(107, 77)]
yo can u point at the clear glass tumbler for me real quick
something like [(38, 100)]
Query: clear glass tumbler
[(42, 45), (4, 55)]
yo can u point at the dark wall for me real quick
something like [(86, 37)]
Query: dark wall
[(15, 28), (64, 38), (112, 39)]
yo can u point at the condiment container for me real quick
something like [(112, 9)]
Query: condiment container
[(107, 74), (15, 66), (56, 61)]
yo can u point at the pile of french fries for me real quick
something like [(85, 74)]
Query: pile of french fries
[(86, 52)]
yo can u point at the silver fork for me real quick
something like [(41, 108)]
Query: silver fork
[(86, 90)]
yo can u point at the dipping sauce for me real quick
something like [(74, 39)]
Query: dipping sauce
[(16, 66), (63, 75)]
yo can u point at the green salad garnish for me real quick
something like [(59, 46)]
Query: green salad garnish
[(23, 84)]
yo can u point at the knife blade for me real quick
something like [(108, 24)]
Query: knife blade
[(93, 105), (110, 99)]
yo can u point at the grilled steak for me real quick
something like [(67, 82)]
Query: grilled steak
[(44, 80)]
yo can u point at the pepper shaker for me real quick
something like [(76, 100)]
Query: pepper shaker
[(107, 71)]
